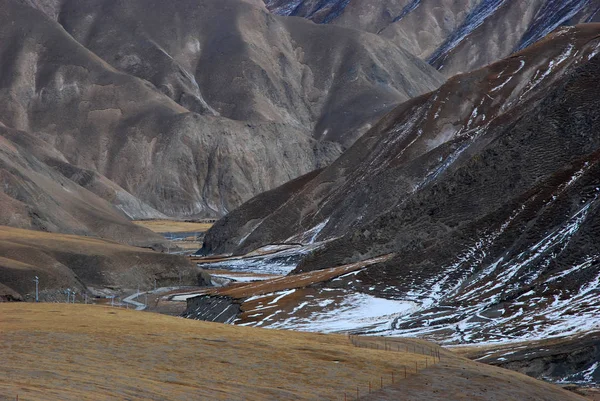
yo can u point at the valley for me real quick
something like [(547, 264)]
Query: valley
[(300, 200)]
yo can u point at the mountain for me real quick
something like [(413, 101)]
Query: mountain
[(181, 109), (454, 36), (485, 191)]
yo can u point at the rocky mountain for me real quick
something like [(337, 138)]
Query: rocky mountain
[(185, 109), (485, 192), (454, 36)]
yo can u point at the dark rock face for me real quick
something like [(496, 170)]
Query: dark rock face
[(212, 309), (486, 189), (452, 35), (187, 109)]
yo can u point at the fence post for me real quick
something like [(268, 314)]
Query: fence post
[(392, 377), (369, 387), (381, 381), (416, 367), (405, 372), (426, 363), (357, 392)]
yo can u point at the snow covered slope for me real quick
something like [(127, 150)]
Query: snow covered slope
[(487, 190)]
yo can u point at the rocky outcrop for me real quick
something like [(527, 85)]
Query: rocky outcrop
[(454, 36), (486, 190)]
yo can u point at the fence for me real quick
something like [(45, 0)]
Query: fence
[(432, 355)]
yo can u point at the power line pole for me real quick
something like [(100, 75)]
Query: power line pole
[(37, 282)]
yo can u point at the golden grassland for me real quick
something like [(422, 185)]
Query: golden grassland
[(52, 240), (173, 226), (85, 352)]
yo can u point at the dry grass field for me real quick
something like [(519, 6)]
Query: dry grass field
[(172, 226), (84, 352), (26, 237)]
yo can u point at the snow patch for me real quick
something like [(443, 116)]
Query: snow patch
[(351, 313)]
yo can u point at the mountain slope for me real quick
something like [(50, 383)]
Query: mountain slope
[(486, 190), (572, 359), (454, 36), (82, 264), (42, 191), (192, 123), (233, 59)]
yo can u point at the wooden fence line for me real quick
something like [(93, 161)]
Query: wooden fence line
[(428, 352)]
